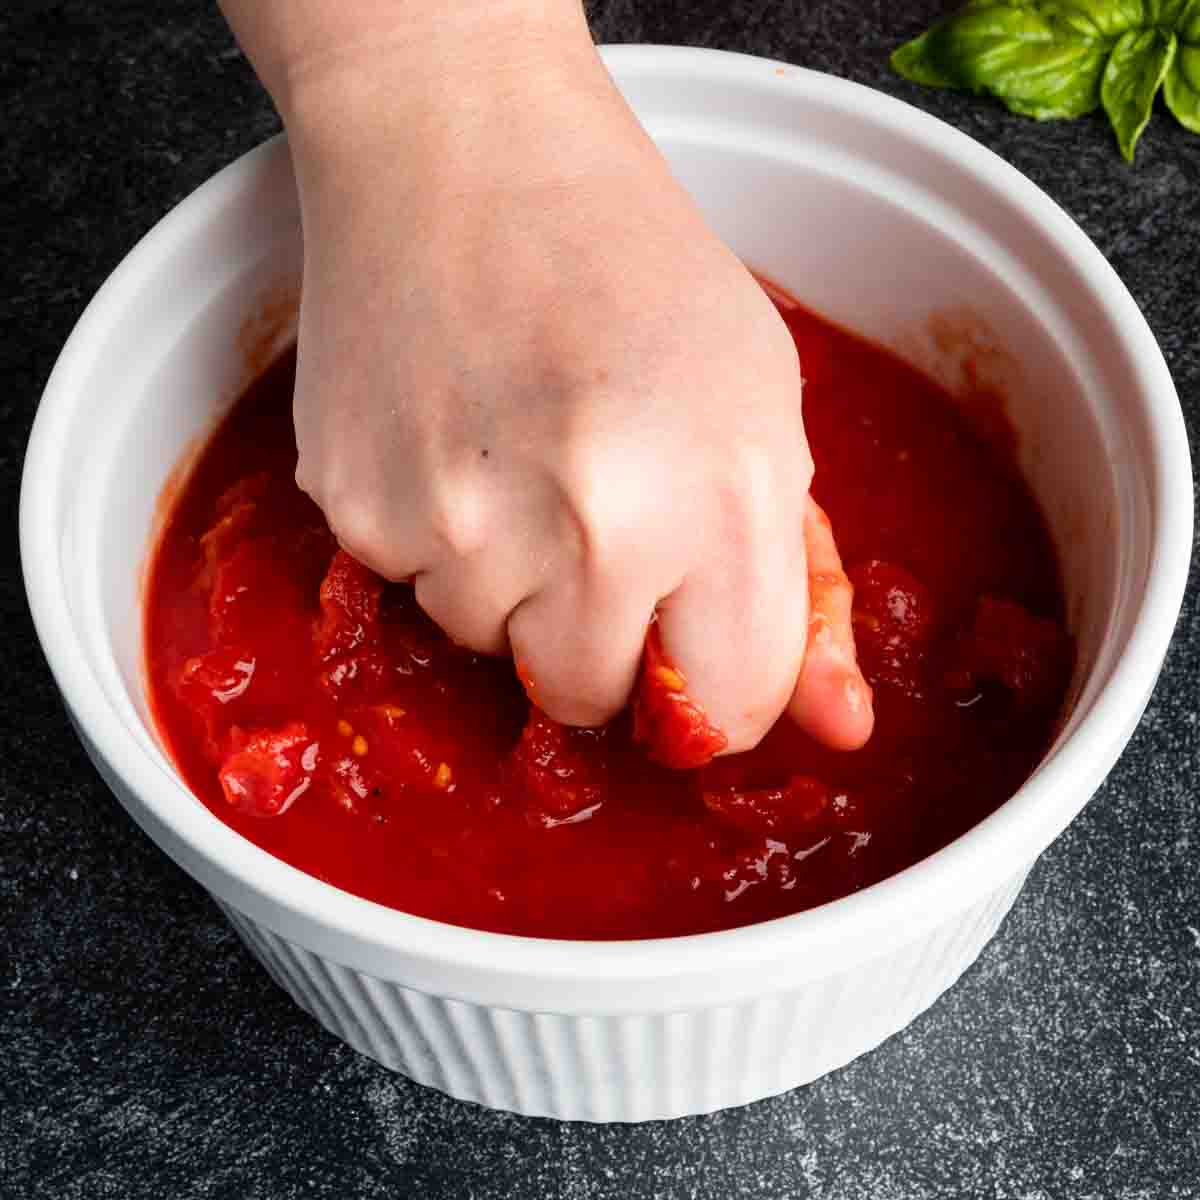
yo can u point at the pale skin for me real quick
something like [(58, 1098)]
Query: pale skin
[(533, 380)]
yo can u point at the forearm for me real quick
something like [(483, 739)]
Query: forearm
[(427, 49), (397, 109)]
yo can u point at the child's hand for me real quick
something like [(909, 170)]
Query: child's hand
[(533, 380)]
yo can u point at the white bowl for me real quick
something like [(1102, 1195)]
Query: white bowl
[(884, 219)]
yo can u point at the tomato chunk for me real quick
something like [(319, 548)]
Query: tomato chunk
[(253, 590), (217, 678), (893, 624), (248, 490), (382, 754), (558, 770), (347, 635), (674, 729), (402, 747), (354, 784), (236, 510), (803, 806), (269, 769), (1029, 656), (350, 595), (213, 686)]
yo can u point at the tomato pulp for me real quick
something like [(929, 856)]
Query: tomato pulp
[(319, 713)]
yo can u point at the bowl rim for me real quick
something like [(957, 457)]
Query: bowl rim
[(833, 935)]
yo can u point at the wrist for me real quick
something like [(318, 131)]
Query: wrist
[(516, 91), (316, 56)]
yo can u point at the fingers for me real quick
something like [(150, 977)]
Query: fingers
[(740, 632), (471, 594), (359, 533), (577, 645), (673, 728), (831, 701), (736, 631), (364, 526), (467, 611)]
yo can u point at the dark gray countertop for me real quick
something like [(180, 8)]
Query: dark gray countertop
[(143, 1053)]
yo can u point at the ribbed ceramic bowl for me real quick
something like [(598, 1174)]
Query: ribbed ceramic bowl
[(876, 215)]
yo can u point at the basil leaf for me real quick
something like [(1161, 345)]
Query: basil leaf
[(1136, 68), (1167, 14), (1187, 22), (1182, 88), (1064, 58), (1104, 18), (1034, 61), (1112, 18), (913, 61)]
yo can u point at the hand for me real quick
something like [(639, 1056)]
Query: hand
[(531, 379)]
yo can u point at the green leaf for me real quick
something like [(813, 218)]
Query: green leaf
[(1187, 22), (1136, 68), (1103, 18), (913, 61), (1026, 55), (1163, 13), (1064, 58), (1182, 87)]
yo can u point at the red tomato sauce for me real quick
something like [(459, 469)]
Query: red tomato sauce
[(319, 713)]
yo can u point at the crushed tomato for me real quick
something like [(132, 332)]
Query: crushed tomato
[(317, 711)]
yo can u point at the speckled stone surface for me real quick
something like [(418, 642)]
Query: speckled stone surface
[(142, 1052)]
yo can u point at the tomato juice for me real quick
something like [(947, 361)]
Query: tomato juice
[(317, 711)]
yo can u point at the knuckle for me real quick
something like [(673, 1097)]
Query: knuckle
[(456, 518), (751, 472), (598, 510), (355, 526), (764, 491), (750, 508), (306, 479), (468, 619), (358, 524)]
